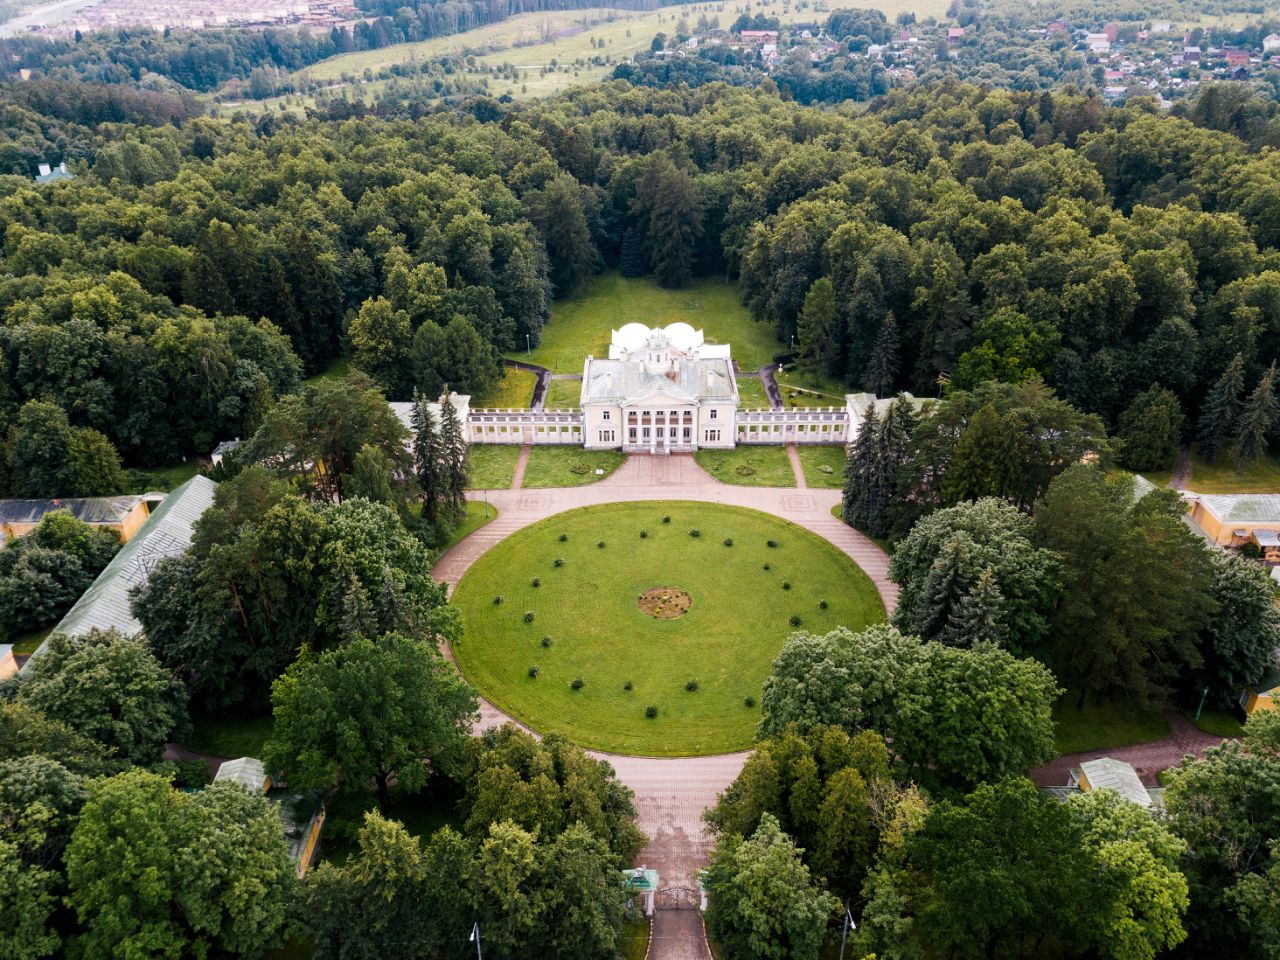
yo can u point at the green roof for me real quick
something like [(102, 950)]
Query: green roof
[(167, 533)]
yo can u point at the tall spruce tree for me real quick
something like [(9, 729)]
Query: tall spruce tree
[(947, 584), (858, 503), (979, 615), (882, 366), (817, 328), (1257, 419), (1221, 410), (427, 458), (456, 463)]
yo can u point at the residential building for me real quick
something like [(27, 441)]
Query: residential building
[(125, 515), (1237, 519), (1271, 42), (1265, 694), (167, 533), (50, 174), (955, 34)]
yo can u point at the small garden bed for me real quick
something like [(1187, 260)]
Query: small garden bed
[(665, 603)]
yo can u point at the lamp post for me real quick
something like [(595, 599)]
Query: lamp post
[(845, 928), (528, 346), (475, 938)]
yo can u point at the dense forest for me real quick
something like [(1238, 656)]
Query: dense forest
[(951, 236)]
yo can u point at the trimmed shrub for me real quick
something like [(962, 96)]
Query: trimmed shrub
[(535, 582), (666, 519), (695, 532), (533, 673), (577, 684), (743, 470), (767, 567), (497, 601), (546, 641), (564, 537), (643, 534), (558, 562), (691, 686), (795, 620), (728, 541), (749, 702), (822, 604), (528, 616), (771, 543), (628, 686), (600, 544), (786, 584), (651, 711), (580, 469)]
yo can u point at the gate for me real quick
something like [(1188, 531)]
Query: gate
[(678, 898)]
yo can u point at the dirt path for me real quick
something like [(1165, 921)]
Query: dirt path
[(771, 385), (1148, 759), (522, 464), (1181, 470), (540, 388)]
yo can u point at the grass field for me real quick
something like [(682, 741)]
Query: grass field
[(1095, 726), (25, 644), (814, 459), (765, 466), (1220, 723), (514, 390), (802, 388), (581, 324), (475, 519), (337, 370), (569, 466), (1258, 476), (751, 395), (635, 940), (493, 465), (229, 737), (163, 478), (739, 617), (563, 395)]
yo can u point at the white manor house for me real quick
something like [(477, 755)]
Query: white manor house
[(661, 390)]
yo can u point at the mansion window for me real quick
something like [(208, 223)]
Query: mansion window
[(606, 436), (604, 415), (631, 434), (713, 436), (714, 411)]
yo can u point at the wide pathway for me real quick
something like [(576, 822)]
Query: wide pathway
[(1148, 759), (671, 793)]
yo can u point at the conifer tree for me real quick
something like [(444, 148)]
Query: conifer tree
[(859, 473), (987, 458), (456, 464), (882, 366), (1257, 419), (427, 458), (979, 616), (631, 259), (945, 587), (817, 326), (1221, 414)]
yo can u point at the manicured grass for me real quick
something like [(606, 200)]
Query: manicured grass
[(1220, 723), (635, 940), (25, 644), (1096, 726), (1255, 476), (581, 325), (563, 395), (229, 737), (815, 459), (474, 520), (164, 478), (751, 395), (765, 466), (338, 369), (514, 390), (493, 465), (805, 388), (569, 466), (736, 625)]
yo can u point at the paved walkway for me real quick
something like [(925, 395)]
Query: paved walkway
[(671, 793), (797, 467), (1148, 759), (522, 464)]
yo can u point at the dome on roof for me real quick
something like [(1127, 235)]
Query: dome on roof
[(682, 336), (630, 336)]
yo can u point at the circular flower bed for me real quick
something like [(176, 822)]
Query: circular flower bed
[(665, 603)]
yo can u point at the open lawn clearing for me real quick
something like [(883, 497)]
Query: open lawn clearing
[(801, 388), (563, 395), (1220, 723), (25, 644), (582, 324), (513, 391), (815, 459), (493, 465), (1098, 726), (749, 466), (1255, 476), (338, 369), (569, 466), (229, 737), (635, 940), (751, 395), (739, 616), (165, 478)]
